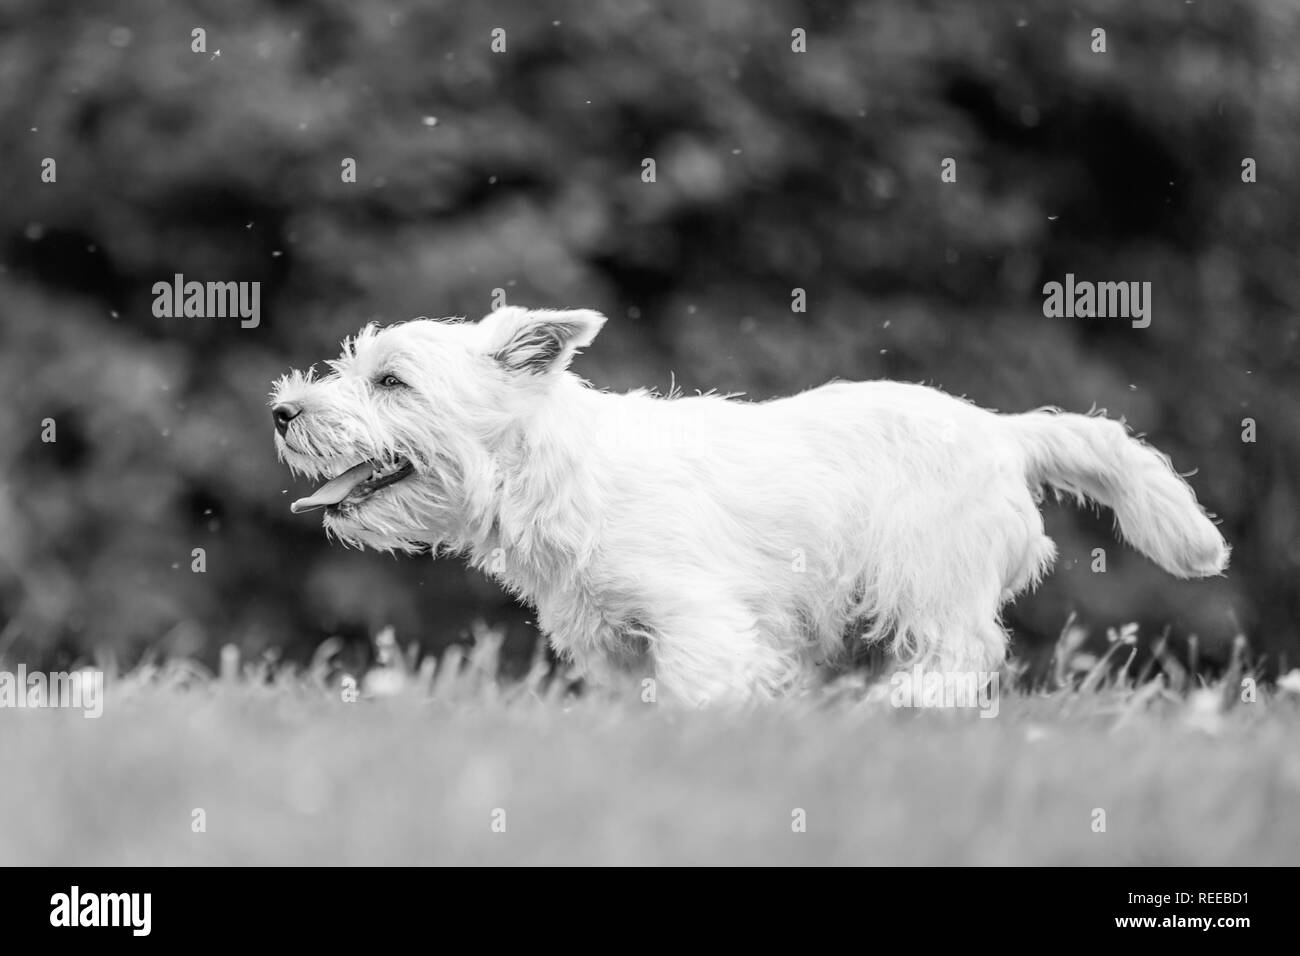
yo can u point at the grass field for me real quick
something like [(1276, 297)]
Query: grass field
[(413, 772)]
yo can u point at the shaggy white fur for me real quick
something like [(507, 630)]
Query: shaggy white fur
[(729, 546)]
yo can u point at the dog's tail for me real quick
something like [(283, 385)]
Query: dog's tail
[(1093, 457)]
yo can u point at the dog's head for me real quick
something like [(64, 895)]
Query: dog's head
[(404, 428)]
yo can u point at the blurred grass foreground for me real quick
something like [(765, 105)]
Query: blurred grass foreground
[(444, 762)]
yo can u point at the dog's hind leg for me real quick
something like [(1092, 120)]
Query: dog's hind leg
[(965, 641), (943, 601)]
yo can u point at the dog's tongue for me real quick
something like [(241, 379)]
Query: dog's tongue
[(332, 492)]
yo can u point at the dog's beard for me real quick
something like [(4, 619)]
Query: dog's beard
[(388, 520), (409, 515), (385, 500)]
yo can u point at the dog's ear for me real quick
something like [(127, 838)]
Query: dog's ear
[(539, 341)]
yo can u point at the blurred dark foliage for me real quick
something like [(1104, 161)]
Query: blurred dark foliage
[(521, 170)]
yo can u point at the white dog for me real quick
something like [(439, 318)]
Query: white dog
[(728, 547)]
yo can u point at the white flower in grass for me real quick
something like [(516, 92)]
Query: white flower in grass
[(1204, 710), (1128, 634), (384, 682)]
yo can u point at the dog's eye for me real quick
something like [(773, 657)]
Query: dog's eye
[(390, 381)]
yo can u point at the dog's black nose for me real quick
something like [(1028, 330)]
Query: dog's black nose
[(283, 414)]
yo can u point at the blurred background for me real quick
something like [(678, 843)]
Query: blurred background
[(521, 170)]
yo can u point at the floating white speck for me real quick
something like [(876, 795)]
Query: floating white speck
[(430, 121)]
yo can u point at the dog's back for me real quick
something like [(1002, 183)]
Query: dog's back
[(878, 509)]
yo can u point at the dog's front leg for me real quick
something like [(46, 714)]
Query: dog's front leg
[(718, 655)]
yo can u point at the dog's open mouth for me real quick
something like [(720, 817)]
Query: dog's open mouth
[(355, 485)]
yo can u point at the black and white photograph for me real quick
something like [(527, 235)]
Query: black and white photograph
[(744, 433)]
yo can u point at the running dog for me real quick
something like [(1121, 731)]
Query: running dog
[(727, 547)]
